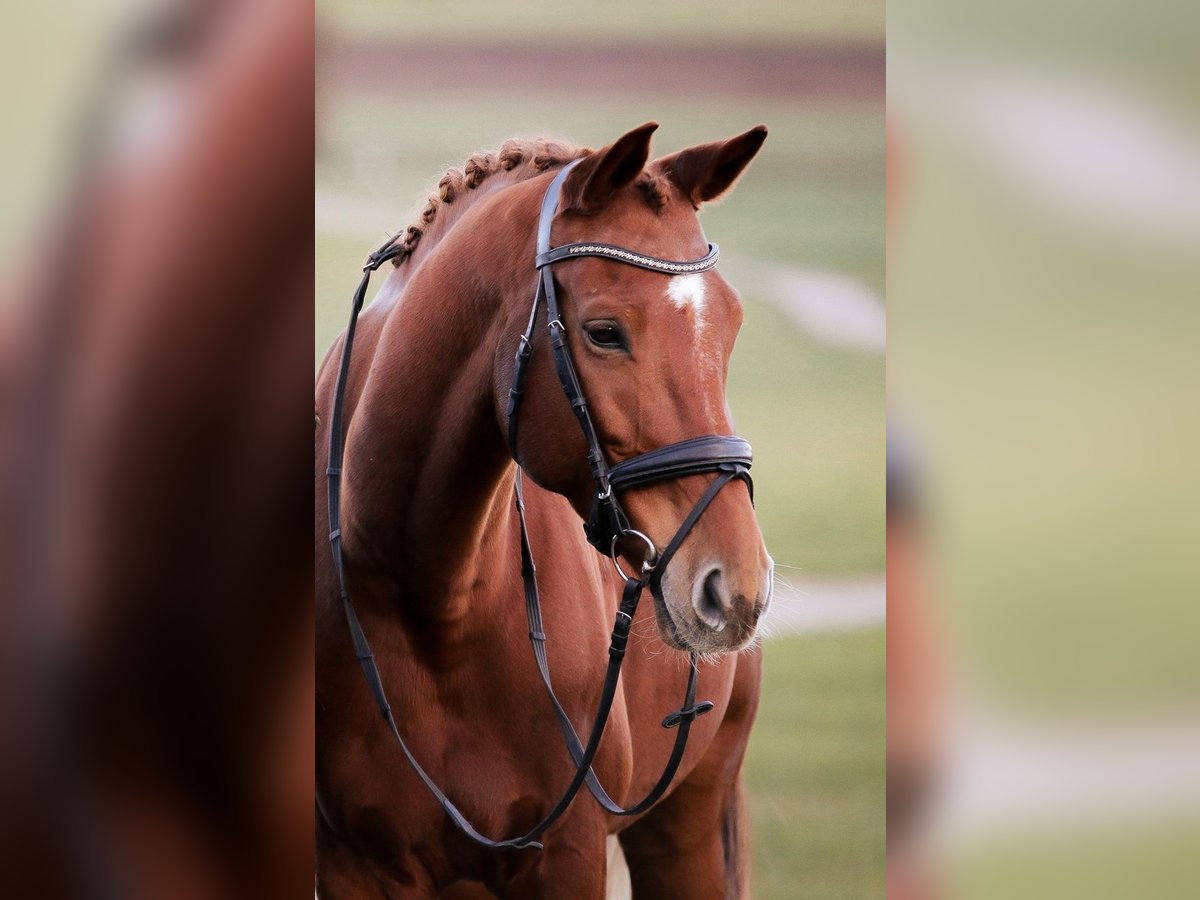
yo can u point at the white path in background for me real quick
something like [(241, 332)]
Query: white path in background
[(833, 307), (1001, 771), (804, 605)]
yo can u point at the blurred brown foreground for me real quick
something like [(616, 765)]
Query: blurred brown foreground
[(155, 433)]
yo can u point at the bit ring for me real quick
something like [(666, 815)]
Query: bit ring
[(647, 563)]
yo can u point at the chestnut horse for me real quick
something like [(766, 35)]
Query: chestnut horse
[(431, 541)]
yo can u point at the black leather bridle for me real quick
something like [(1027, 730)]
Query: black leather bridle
[(729, 457)]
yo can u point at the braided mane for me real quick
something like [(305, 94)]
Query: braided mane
[(517, 160)]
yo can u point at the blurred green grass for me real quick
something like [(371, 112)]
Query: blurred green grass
[(815, 768), (813, 199), (1100, 860)]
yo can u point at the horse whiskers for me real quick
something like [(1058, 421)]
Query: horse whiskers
[(654, 650), (787, 584), (765, 629), (647, 629), (755, 645)]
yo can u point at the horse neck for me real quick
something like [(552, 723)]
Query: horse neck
[(434, 232), (425, 503), (468, 193)]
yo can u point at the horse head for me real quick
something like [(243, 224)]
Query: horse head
[(651, 350)]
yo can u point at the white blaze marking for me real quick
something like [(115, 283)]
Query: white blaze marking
[(685, 290)]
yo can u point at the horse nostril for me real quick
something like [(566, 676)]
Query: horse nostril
[(709, 600)]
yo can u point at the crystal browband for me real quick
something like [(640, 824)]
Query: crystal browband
[(653, 263)]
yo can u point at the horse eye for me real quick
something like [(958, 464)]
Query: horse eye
[(605, 334)]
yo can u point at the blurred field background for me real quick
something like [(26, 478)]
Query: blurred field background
[(407, 90), (1044, 257)]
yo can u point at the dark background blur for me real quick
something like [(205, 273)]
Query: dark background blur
[(156, 435), (1044, 229)]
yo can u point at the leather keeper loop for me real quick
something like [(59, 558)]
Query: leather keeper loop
[(690, 714)]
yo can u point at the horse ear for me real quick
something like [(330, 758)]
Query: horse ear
[(593, 182), (707, 171)]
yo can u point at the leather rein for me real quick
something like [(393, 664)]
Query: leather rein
[(730, 457)]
